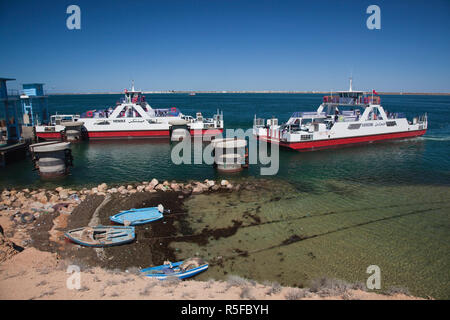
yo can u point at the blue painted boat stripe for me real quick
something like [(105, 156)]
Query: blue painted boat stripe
[(180, 275)]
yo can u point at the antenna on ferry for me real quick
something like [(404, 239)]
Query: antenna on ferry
[(132, 85), (351, 87)]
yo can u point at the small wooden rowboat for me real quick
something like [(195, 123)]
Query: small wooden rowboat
[(101, 236), (182, 269), (134, 217)]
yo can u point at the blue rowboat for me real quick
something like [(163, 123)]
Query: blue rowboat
[(101, 236), (181, 269), (134, 217)]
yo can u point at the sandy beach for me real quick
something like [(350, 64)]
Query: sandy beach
[(35, 256), (34, 274)]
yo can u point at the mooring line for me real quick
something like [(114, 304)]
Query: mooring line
[(319, 214), (324, 213), (282, 220), (302, 238), (269, 222), (95, 219)]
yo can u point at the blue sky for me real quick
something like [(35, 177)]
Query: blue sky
[(227, 45)]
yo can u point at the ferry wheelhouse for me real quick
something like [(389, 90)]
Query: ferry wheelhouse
[(133, 117), (344, 118)]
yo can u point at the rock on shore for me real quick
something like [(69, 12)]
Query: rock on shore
[(19, 209)]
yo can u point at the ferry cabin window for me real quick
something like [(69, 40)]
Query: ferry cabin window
[(354, 126), (350, 94), (132, 113), (306, 122), (294, 127), (375, 115)]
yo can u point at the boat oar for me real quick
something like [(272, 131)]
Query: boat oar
[(117, 236), (111, 234)]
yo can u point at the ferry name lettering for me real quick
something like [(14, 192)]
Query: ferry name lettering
[(378, 124)]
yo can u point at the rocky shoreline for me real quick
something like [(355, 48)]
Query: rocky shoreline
[(33, 223), (40, 198), (39, 217), (24, 206)]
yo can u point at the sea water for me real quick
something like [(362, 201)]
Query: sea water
[(326, 213)]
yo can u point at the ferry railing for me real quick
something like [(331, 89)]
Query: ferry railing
[(33, 94), (352, 101), (13, 93), (395, 115), (258, 122), (312, 114), (423, 118), (219, 115)]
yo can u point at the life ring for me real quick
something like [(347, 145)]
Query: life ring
[(173, 109), (89, 114)]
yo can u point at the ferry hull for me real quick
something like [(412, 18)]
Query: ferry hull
[(205, 132), (132, 117), (129, 134), (141, 134), (49, 136), (341, 142), (136, 134)]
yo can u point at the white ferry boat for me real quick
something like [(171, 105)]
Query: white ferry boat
[(133, 117), (344, 118)]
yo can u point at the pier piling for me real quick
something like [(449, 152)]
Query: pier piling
[(52, 159)]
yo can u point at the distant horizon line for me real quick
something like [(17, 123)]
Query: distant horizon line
[(246, 91)]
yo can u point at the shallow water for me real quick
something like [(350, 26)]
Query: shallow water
[(384, 204), (293, 236)]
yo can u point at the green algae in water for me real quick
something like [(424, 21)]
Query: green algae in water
[(337, 231)]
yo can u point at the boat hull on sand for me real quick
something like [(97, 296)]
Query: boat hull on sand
[(135, 217), (101, 236), (174, 271)]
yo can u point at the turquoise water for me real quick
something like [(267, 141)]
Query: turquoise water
[(420, 160), (390, 202)]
